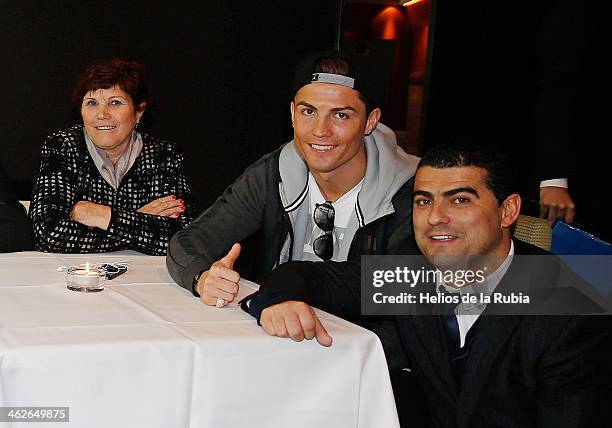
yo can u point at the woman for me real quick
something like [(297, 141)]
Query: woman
[(104, 186)]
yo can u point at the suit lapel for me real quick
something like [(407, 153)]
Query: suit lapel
[(493, 332), (428, 344)]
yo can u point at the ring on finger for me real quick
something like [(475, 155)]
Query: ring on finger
[(220, 302)]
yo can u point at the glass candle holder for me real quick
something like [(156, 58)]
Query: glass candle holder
[(86, 280)]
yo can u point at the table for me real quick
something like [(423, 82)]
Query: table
[(146, 353)]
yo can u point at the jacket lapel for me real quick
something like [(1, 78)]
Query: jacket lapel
[(493, 332), (426, 341)]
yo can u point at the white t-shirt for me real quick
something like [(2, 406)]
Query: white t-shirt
[(344, 209)]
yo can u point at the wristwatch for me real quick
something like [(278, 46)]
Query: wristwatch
[(194, 286)]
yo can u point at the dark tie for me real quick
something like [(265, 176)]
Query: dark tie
[(451, 327), (458, 356)]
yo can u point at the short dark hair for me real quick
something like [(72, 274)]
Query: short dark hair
[(128, 74), (363, 70), (463, 152)]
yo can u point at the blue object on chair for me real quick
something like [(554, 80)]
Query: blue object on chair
[(569, 240), (585, 255)]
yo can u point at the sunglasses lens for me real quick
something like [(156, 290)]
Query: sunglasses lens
[(324, 217), (323, 246)]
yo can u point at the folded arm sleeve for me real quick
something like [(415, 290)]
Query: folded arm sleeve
[(234, 216), (53, 195), (148, 233), (330, 286)]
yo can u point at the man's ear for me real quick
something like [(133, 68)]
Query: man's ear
[(372, 121), (292, 108), (510, 210)]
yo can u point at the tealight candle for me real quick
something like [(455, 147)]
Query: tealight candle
[(85, 280)]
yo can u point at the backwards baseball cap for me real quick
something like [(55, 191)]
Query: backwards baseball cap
[(362, 74)]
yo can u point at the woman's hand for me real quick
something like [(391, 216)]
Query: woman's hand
[(91, 214), (167, 206)]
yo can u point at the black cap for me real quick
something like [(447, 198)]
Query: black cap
[(362, 75)]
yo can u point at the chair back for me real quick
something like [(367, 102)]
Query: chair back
[(26, 205), (533, 230)]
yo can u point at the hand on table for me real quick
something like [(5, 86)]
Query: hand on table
[(91, 214), (168, 206), (296, 320), (221, 280), (556, 203)]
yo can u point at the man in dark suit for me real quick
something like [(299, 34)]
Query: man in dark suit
[(498, 365)]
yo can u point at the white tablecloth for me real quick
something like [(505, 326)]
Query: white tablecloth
[(146, 353)]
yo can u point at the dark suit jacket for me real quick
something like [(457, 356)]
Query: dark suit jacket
[(523, 370)]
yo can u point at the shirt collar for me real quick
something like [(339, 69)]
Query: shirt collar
[(488, 286)]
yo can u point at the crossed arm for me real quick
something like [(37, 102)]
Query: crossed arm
[(98, 215)]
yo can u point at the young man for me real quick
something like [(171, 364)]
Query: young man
[(341, 188), (479, 368)]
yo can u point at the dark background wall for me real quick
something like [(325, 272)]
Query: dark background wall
[(219, 71), (534, 78), (483, 73)]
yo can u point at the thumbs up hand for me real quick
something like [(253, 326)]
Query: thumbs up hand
[(218, 286)]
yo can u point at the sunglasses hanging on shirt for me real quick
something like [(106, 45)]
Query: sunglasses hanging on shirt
[(323, 217)]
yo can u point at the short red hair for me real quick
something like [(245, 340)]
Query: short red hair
[(106, 73)]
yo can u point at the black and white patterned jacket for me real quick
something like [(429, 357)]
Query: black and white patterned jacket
[(68, 175)]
